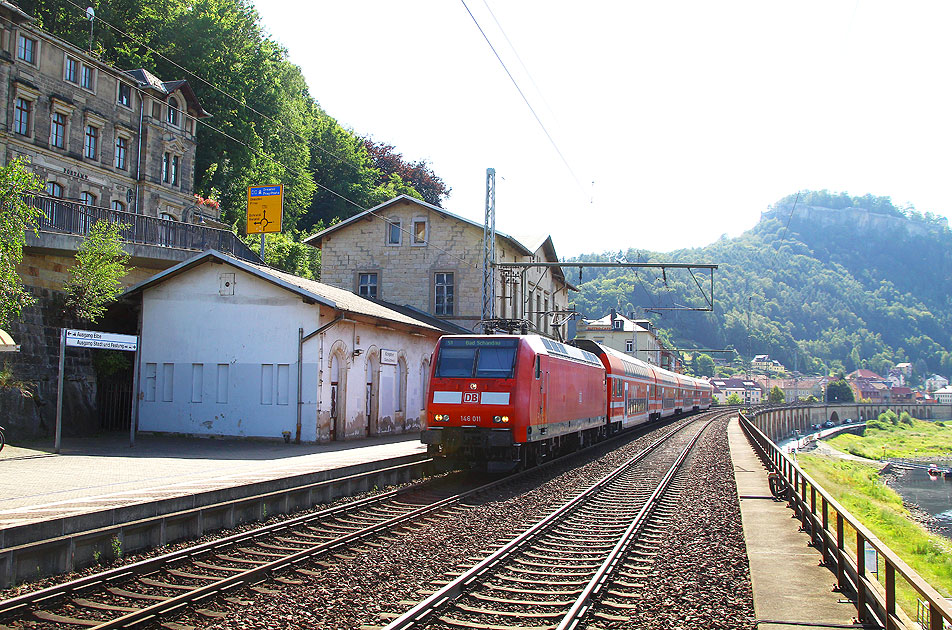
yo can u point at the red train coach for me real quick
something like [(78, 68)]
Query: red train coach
[(507, 400)]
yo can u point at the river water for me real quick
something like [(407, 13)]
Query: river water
[(932, 495)]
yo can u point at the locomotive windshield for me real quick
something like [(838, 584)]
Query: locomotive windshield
[(476, 358)]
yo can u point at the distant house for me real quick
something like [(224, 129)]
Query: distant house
[(230, 348), (902, 395), (764, 364), (747, 389), (935, 382), (634, 337), (905, 369), (944, 395)]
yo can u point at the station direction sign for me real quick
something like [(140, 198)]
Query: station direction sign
[(265, 209), (96, 339)]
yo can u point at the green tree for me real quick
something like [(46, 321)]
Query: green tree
[(704, 365), (734, 399), (776, 396), (16, 217), (839, 391), (285, 251), (96, 278)]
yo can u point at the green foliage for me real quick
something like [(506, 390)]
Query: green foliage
[(272, 130), (916, 438), (776, 396), (905, 418), (812, 399), (96, 278), (734, 399), (704, 365), (889, 417), (15, 219), (858, 488), (820, 294), (839, 391), (110, 362), (286, 252)]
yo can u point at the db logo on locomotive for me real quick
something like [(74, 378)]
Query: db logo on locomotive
[(470, 397)]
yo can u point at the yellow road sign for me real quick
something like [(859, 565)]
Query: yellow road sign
[(265, 209)]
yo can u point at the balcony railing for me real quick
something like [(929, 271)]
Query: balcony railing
[(75, 218)]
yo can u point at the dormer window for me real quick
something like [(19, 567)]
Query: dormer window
[(125, 95), (617, 324), (173, 112)]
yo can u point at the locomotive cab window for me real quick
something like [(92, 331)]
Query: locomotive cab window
[(468, 358)]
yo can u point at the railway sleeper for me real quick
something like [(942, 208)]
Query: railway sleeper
[(167, 585), (466, 623), (517, 614), (44, 615), (530, 591), (121, 592), (625, 594), (538, 581), (565, 565), (617, 605), (88, 603), (591, 557), (522, 602), (546, 573)]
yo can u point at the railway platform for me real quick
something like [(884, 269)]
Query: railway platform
[(56, 509), (791, 589)]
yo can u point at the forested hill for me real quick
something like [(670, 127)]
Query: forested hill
[(850, 282), (265, 126)]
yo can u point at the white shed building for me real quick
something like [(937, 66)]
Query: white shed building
[(230, 348)]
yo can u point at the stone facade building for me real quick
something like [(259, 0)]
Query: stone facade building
[(408, 252), (634, 337), (124, 140)]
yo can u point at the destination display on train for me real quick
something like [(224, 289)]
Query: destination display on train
[(481, 343)]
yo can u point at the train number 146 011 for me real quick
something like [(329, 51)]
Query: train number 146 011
[(469, 419)]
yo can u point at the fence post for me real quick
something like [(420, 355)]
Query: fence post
[(860, 578)]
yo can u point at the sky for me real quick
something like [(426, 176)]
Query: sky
[(671, 123)]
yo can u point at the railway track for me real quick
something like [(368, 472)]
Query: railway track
[(582, 562), (157, 589)]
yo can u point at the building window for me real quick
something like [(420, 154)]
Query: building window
[(168, 380), (21, 117), (629, 345), (26, 49), (267, 383), (198, 381), (166, 159), (125, 95), (54, 190), (150, 378), (367, 285), (86, 77), (69, 69), (122, 148), (87, 198), (175, 170), (58, 130), (419, 231), (443, 294), (173, 112), (118, 206), (393, 232), (91, 144)]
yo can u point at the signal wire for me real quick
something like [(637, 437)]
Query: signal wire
[(526, 100)]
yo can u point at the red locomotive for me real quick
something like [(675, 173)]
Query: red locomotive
[(506, 400)]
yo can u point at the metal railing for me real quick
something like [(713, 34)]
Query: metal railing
[(826, 521), (75, 218)]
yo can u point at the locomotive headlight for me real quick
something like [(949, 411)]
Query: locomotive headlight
[(500, 419), (441, 417)]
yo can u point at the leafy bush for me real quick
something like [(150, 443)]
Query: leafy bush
[(889, 417), (878, 424)]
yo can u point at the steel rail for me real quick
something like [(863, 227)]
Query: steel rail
[(580, 608), (453, 590)]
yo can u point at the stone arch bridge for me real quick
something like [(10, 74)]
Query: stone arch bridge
[(779, 423)]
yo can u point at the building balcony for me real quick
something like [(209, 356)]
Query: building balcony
[(64, 223)]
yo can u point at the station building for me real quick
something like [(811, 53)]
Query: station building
[(96, 135), (231, 348), (634, 337), (411, 252)]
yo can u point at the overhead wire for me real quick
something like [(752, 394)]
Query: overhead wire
[(524, 98), (109, 70)]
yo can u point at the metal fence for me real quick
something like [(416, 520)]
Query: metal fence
[(849, 549), (75, 218)]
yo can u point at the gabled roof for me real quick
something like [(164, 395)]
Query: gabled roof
[(148, 81), (863, 373), (315, 239), (321, 293), (545, 244)]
